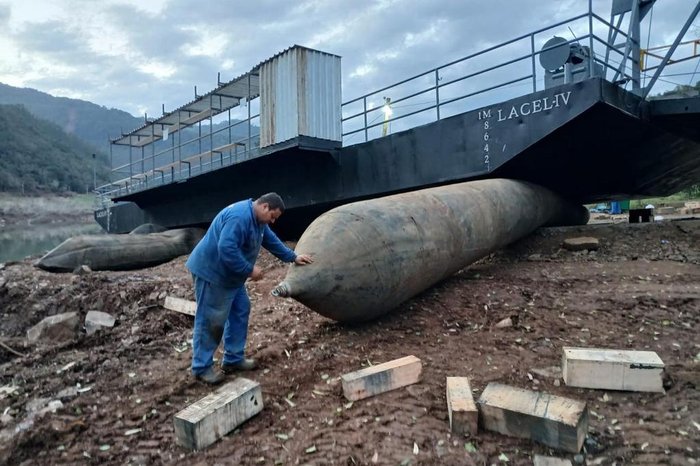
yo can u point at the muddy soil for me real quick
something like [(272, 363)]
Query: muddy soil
[(120, 388)]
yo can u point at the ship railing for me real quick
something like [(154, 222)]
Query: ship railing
[(180, 161), (480, 79)]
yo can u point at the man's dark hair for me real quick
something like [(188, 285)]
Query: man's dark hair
[(273, 200)]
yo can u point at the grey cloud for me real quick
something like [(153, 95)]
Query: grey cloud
[(363, 32), (153, 36), (5, 12), (54, 39)]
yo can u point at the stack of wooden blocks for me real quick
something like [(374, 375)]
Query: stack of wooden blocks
[(555, 421)]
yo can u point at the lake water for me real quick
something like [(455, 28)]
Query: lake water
[(36, 240)]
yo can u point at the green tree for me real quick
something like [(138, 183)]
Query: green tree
[(38, 156)]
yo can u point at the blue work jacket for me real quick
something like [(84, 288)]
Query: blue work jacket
[(227, 253)]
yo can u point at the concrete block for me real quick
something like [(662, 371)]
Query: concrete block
[(207, 420), (55, 328), (96, 320), (180, 305), (639, 371), (381, 378), (555, 421), (463, 413), (582, 243)]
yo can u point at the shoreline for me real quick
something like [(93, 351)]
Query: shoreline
[(45, 210), (16, 222)]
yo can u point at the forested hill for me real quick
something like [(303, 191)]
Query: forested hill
[(38, 156), (92, 123)]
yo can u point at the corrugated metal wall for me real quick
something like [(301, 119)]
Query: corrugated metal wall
[(300, 95)]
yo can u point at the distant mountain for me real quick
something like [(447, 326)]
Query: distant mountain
[(38, 156), (92, 123)]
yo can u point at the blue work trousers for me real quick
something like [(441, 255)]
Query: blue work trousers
[(220, 312)]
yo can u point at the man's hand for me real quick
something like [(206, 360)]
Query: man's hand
[(303, 259), (256, 274)]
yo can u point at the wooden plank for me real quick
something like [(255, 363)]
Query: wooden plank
[(197, 117), (164, 168), (207, 420), (228, 147), (640, 371), (180, 305), (381, 378), (464, 416), (552, 420)]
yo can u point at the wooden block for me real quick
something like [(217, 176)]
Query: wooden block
[(207, 420), (540, 460), (581, 243), (464, 416), (639, 371), (381, 378), (665, 211), (552, 420), (180, 305)]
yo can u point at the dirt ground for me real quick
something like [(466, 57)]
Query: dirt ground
[(120, 388)]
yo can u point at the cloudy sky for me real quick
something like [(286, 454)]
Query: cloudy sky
[(136, 55)]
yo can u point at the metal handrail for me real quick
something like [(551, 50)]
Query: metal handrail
[(131, 184), (374, 125), (140, 179), (364, 124), (468, 57), (182, 144)]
